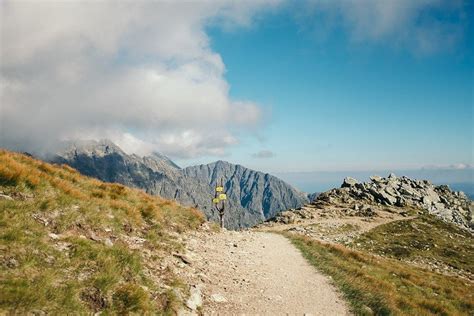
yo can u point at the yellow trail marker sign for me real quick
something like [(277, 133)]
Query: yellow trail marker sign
[(219, 189), (215, 201), (223, 196)]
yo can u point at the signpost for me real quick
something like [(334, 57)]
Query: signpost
[(218, 201)]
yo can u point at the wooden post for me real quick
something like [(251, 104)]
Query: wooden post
[(219, 198), (221, 214)]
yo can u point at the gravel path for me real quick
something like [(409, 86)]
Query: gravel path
[(259, 273)]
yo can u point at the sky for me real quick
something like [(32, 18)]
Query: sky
[(279, 86), (342, 105)]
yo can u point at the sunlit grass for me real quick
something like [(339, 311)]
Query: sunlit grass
[(423, 238), (387, 286), (75, 274)]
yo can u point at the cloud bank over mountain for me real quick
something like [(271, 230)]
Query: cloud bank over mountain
[(139, 72), (144, 74)]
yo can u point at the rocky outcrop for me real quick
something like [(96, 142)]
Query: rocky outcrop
[(454, 207), (313, 196), (252, 196)]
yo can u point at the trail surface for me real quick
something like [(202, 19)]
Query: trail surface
[(258, 273)]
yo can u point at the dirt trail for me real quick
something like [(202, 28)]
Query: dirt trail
[(258, 273)]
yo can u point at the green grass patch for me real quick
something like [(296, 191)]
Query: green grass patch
[(341, 229), (424, 237)]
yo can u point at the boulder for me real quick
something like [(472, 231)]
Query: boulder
[(393, 192), (349, 182), (388, 198), (376, 178), (195, 298), (401, 202)]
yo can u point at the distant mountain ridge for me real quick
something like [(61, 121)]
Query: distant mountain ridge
[(252, 196)]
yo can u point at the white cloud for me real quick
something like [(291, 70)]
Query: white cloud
[(457, 166), (422, 26), (139, 72), (264, 154)]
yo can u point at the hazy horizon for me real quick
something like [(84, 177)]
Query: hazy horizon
[(321, 181), (459, 177)]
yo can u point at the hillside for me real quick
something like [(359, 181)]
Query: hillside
[(252, 196), (395, 246), (75, 245), (450, 206)]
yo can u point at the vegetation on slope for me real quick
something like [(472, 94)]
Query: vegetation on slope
[(384, 286), (424, 239), (72, 244)]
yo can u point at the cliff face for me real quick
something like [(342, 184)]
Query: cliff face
[(252, 196)]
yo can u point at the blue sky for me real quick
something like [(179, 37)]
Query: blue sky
[(275, 85), (332, 104)]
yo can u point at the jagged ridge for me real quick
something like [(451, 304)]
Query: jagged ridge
[(252, 196)]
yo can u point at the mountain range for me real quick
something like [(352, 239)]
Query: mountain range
[(252, 196)]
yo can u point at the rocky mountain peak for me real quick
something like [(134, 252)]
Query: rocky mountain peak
[(164, 159), (401, 192), (88, 147), (252, 196)]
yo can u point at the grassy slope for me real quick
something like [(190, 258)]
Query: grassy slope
[(75, 270), (387, 286), (385, 283), (424, 238)]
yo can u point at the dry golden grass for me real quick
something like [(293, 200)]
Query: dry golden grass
[(87, 276), (13, 171), (387, 286)]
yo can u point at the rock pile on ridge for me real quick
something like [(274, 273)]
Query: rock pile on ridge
[(454, 207)]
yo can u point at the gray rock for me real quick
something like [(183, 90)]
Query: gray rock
[(53, 236), (376, 178), (12, 263), (426, 200), (108, 242), (401, 202), (349, 182), (440, 201), (313, 196), (218, 298), (387, 198), (183, 258), (367, 310), (195, 298), (297, 229), (5, 197)]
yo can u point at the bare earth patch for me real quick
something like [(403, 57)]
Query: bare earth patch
[(257, 273)]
